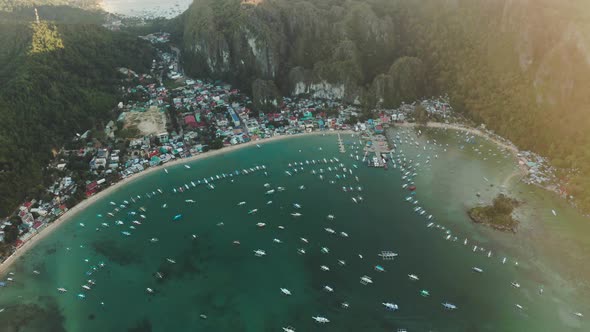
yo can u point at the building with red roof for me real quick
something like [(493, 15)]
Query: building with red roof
[(190, 121)]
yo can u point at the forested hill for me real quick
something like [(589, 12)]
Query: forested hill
[(55, 80), (520, 67), (12, 5)]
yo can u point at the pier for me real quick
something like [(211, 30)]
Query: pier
[(379, 147), (341, 144)]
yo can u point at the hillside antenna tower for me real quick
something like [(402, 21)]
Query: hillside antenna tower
[(36, 16)]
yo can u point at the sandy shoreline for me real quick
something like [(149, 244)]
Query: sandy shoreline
[(522, 171), (91, 200)]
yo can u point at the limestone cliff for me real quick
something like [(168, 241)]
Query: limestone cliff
[(520, 66)]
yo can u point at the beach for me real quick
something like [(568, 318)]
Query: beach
[(4, 266), (104, 264), (522, 170)]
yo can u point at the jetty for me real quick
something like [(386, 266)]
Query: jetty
[(341, 144)]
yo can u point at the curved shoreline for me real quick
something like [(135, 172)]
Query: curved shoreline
[(69, 214), (522, 171)]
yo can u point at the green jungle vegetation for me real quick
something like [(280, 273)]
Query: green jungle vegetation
[(56, 80), (497, 215), (520, 67)]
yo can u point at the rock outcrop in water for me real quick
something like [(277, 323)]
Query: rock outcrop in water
[(498, 215)]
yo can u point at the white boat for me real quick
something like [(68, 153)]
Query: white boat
[(331, 217), (260, 224), (449, 306), (578, 314), (304, 240), (365, 280), (504, 260), (329, 230), (343, 234), (171, 261), (86, 287), (296, 214), (321, 320), (252, 211), (270, 192), (554, 213), (297, 206), (345, 305), (149, 290), (301, 251), (325, 250), (275, 240), (269, 203), (285, 291), (166, 170), (390, 306), (288, 329), (328, 289), (341, 262), (519, 306), (354, 200), (154, 240), (324, 268), (413, 277), (241, 203), (61, 289), (187, 166), (259, 253), (477, 269), (515, 284)]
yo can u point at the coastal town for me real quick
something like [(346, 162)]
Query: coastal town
[(166, 116)]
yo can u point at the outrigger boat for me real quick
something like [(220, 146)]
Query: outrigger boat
[(365, 280), (259, 253), (449, 306), (321, 320), (390, 306)]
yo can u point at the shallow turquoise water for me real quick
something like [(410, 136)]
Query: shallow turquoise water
[(240, 292)]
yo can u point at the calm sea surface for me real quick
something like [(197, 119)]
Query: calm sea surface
[(146, 8), (238, 291)]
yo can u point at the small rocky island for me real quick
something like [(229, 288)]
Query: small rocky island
[(498, 215)]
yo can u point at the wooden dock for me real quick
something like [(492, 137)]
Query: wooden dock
[(341, 144)]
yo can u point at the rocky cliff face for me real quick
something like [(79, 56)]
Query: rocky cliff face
[(349, 50), (306, 48)]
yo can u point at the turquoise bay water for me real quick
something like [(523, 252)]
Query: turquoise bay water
[(238, 291)]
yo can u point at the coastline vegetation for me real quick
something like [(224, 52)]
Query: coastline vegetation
[(498, 215), (56, 80)]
